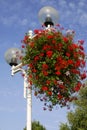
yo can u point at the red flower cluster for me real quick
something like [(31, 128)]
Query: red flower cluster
[(49, 54), (56, 64)]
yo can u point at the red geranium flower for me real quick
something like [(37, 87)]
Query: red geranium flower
[(45, 73), (32, 44), (46, 47), (44, 88), (58, 73), (77, 87), (70, 62), (65, 39), (48, 82), (36, 58), (83, 76), (49, 93), (81, 41), (60, 96), (50, 36), (34, 70), (23, 46), (45, 66), (49, 54), (67, 54), (26, 38)]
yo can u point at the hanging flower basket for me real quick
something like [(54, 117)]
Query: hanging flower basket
[(55, 65)]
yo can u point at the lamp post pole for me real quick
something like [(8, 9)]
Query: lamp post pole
[(29, 109), (27, 93), (28, 96), (27, 89)]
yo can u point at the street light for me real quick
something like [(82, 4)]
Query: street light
[(11, 56), (48, 16)]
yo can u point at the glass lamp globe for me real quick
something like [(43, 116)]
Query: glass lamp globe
[(48, 16), (12, 56)]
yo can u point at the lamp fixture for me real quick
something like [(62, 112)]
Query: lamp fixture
[(48, 16), (12, 56)]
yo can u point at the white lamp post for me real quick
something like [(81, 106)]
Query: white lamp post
[(48, 16), (13, 60)]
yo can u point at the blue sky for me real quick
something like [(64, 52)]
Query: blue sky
[(16, 18)]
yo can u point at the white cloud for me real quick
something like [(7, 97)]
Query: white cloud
[(72, 5), (23, 21), (80, 11), (81, 3), (10, 7), (17, 6), (62, 3), (33, 24), (11, 14), (8, 20), (68, 13), (13, 20), (83, 19)]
